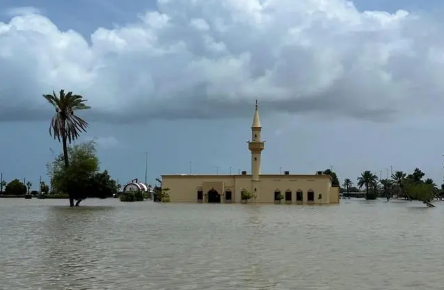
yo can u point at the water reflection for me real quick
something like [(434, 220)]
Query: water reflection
[(113, 245)]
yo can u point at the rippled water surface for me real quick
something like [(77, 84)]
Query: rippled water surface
[(107, 244)]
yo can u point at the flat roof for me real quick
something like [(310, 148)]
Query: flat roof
[(247, 175)]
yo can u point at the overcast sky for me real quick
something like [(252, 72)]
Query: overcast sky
[(350, 85)]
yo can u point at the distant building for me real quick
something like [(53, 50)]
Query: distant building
[(266, 188), (135, 185)]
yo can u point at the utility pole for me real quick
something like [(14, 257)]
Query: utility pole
[(380, 174), (40, 184), (146, 167), (391, 170)]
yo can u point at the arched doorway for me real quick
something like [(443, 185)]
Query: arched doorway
[(310, 195), (213, 196)]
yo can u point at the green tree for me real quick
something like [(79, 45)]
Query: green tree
[(416, 176), (334, 177), (65, 125), (101, 185), (399, 179), (387, 186), (347, 184), (367, 179), (15, 187), (82, 178), (430, 182), (418, 189)]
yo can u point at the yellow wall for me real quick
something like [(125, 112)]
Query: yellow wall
[(334, 195), (183, 188)]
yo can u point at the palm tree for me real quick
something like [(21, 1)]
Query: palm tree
[(28, 186), (65, 125), (399, 177), (367, 179), (387, 184), (347, 184)]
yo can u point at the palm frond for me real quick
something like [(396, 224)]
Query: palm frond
[(65, 124)]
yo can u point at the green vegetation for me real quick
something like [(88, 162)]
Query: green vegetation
[(401, 185), (347, 184), (369, 181), (334, 177), (66, 127), (246, 195), (82, 178), (132, 195), (15, 187), (161, 194), (279, 197)]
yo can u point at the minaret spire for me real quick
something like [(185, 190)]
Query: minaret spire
[(256, 119), (256, 145)]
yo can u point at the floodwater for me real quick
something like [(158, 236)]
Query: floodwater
[(107, 244)]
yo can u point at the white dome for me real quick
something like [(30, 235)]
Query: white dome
[(133, 186)]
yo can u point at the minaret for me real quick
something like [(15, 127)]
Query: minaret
[(256, 146)]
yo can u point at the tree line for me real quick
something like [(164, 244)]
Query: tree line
[(413, 186)]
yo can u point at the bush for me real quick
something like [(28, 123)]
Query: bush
[(246, 195), (130, 196), (53, 195), (161, 194)]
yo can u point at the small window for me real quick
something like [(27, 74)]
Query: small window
[(288, 195), (228, 195), (255, 136), (255, 159), (199, 195), (320, 196), (299, 195)]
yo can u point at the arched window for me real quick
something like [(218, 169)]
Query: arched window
[(299, 195), (288, 195), (310, 195)]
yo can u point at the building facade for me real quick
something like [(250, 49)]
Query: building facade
[(265, 188)]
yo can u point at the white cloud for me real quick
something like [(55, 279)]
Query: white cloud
[(22, 10), (294, 56)]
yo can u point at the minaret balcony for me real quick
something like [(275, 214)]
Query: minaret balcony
[(256, 146)]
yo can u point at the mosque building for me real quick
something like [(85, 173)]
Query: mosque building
[(262, 188)]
